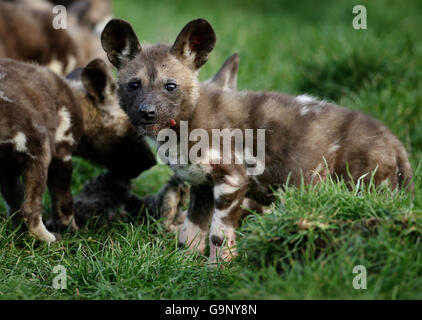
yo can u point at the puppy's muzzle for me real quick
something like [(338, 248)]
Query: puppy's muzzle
[(147, 112)]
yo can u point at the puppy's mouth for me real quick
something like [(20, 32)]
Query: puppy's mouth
[(148, 128)]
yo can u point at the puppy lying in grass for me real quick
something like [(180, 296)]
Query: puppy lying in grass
[(307, 139)]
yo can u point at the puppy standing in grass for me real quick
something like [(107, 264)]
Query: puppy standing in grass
[(307, 139), (40, 125), (44, 119), (126, 157)]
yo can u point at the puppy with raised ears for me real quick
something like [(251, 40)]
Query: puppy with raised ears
[(111, 142), (307, 139), (45, 119)]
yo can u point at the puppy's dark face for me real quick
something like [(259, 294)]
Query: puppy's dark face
[(158, 85), (156, 89)]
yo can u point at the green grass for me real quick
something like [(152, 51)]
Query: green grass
[(307, 247)]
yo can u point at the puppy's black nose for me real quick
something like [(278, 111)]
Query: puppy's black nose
[(147, 111)]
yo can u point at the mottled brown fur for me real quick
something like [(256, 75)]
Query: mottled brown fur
[(306, 139), (34, 39), (110, 193), (90, 13), (37, 142)]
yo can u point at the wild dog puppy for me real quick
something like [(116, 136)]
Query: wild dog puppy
[(108, 140), (306, 139), (40, 125), (28, 35), (79, 116), (104, 197)]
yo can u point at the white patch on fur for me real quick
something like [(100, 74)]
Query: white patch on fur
[(76, 85), (310, 104), (192, 235), (320, 106), (55, 66), (304, 110), (67, 158), (41, 232), (65, 123), (234, 180), (334, 148), (4, 97), (222, 189), (72, 62), (218, 227), (224, 232), (20, 142), (304, 99)]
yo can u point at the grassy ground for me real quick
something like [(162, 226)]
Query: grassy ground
[(308, 246)]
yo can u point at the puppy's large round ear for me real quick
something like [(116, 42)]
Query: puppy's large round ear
[(120, 42), (96, 80), (226, 77), (194, 43)]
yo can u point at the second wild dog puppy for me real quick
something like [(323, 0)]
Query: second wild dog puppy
[(44, 119), (308, 139), (40, 125), (108, 140)]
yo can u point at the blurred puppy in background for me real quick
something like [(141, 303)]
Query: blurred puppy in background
[(93, 14), (27, 34)]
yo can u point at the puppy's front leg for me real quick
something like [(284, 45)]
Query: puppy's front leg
[(194, 229), (230, 186), (35, 177)]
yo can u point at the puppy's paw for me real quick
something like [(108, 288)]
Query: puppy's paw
[(192, 236), (222, 249)]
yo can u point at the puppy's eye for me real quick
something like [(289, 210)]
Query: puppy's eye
[(134, 85), (170, 86)]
